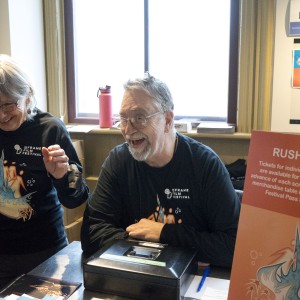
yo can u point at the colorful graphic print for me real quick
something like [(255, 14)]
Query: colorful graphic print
[(12, 204), (280, 280)]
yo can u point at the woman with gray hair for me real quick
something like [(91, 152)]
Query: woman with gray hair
[(39, 171)]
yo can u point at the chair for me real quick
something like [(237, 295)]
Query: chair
[(240, 194)]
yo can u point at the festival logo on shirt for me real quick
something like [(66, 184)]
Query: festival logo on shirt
[(169, 215), (12, 204), (28, 150), (177, 193)]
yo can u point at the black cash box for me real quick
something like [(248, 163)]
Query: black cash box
[(140, 270)]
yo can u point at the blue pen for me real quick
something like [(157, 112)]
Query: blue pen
[(205, 274)]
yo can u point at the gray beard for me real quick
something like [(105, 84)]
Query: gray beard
[(140, 156)]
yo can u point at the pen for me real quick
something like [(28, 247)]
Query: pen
[(205, 274)]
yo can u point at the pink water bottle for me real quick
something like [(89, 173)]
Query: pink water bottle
[(105, 106)]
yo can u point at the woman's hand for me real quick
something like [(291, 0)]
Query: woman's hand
[(55, 160)]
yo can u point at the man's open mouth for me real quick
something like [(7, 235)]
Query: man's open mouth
[(137, 142)]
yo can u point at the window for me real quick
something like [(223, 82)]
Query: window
[(190, 44)]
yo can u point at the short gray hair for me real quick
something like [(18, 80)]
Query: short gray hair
[(155, 88), (15, 84)]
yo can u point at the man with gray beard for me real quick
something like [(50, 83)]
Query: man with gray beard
[(160, 185)]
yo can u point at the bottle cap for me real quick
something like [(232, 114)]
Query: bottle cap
[(106, 88), (103, 89)]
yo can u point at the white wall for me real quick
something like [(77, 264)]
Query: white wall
[(22, 37), (286, 100)]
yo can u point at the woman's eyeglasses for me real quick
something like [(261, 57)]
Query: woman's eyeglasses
[(9, 107), (138, 121)]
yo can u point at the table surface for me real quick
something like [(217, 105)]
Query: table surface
[(67, 265)]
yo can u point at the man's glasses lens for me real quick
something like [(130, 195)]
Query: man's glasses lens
[(138, 121)]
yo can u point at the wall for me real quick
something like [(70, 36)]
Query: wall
[(286, 100), (22, 37)]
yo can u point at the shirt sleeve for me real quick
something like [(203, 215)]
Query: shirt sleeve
[(103, 219), (72, 189)]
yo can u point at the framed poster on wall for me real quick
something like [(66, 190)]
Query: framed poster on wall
[(296, 69), (294, 21)]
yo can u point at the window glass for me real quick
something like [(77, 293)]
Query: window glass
[(109, 48), (188, 48)]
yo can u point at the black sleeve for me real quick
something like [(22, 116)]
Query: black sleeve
[(72, 189), (103, 219)]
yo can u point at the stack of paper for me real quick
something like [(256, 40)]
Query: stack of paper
[(213, 289), (215, 127)]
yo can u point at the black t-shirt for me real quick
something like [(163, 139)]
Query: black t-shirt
[(193, 195), (31, 215)]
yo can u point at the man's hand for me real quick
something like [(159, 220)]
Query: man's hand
[(145, 230), (55, 160)]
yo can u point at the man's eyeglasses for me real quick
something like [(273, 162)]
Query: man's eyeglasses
[(9, 107), (138, 121)]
